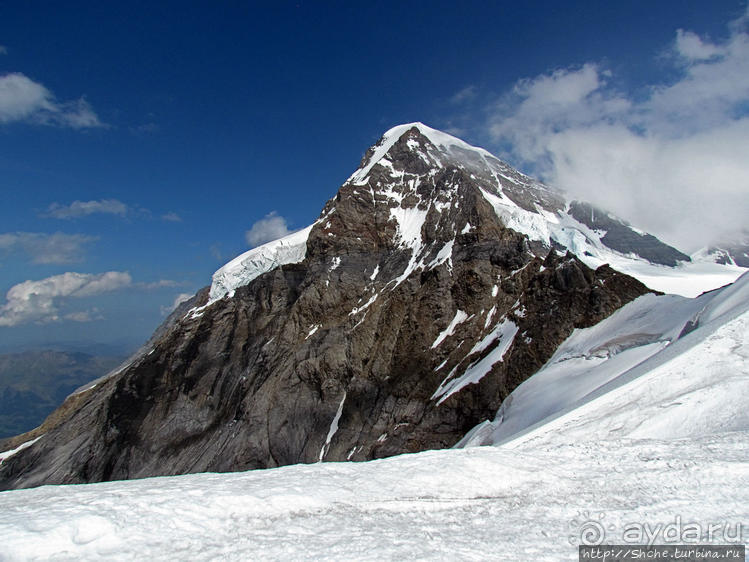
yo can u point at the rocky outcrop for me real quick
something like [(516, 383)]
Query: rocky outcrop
[(620, 236), (415, 311), (731, 252)]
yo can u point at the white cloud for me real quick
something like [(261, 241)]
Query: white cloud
[(160, 284), (39, 301), (541, 107), (78, 209), (691, 46), (83, 316), (179, 299), (672, 161), (464, 95), (266, 229), (3, 50), (46, 248), (171, 217), (22, 99), (84, 208)]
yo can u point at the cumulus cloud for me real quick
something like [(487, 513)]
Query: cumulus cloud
[(538, 109), (271, 227), (671, 159), (22, 99), (39, 301), (44, 248), (179, 299), (691, 46), (78, 209)]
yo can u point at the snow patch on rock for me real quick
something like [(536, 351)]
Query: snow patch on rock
[(505, 332), (459, 318)]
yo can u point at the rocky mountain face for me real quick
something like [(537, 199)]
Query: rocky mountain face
[(621, 237), (429, 288), (735, 252)]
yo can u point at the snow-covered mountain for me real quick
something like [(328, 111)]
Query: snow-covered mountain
[(655, 452), (657, 356), (435, 282), (728, 252), (524, 205)]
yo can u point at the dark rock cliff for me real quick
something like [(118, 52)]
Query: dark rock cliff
[(623, 238), (414, 313)]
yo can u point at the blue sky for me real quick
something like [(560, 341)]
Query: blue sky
[(140, 142)]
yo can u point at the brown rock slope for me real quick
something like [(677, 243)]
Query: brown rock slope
[(413, 315)]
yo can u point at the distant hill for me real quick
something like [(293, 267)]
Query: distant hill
[(34, 383)]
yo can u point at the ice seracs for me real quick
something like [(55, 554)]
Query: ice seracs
[(244, 268)]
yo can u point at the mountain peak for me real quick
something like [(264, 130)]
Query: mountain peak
[(425, 292), (418, 188), (440, 149)]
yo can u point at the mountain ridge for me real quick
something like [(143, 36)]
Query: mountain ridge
[(429, 288), (570, 229)]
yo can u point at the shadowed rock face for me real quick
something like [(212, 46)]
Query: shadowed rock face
[(736, 252), (622, 238), (413, 315)]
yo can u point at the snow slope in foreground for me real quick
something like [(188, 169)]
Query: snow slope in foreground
[(663, 446), (470, 504)]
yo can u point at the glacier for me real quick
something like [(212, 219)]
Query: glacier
[(622, 357), (247, 266)]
